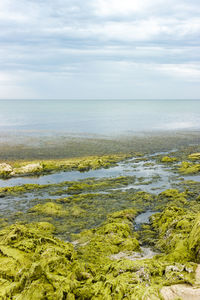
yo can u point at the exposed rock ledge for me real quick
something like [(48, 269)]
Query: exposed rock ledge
[(183, 291)]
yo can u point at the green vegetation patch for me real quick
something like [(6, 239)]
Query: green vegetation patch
[(194, 156), (189, 168), (26, 168), (36, 265), (168, 159), (99, 185), (49, 209)]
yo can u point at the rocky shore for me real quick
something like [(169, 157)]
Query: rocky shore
[(121, 236)]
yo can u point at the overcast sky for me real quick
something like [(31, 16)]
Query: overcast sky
[(100, 49)]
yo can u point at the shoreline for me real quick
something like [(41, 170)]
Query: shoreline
[(131, 221), (26, 147)]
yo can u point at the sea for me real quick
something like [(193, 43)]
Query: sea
[(98, 117)]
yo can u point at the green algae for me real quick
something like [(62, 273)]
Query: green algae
[(194, 156), (171, 197), (21, 189), (102, 184), (189, 168), (27, 168), (125, 279), (3, 222), (175, 227), (71, 187), (36, 265), (168, 159), (89, 273), (194, 239), (50, 209)]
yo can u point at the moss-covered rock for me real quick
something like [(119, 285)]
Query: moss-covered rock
[(194, 239), (168, 159), (115, 235), (194, 156), (32, 168), (5, 170), (189, 168), (25, 168), (50, 209), (97, 185), (34, 265), (171, 197), (174, 226)]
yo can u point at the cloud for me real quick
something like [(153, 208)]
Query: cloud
[(91, 39), (189, 72)]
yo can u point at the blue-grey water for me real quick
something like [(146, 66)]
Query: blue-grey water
[(98, 116)]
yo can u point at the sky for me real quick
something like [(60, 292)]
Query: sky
[(99, 49)]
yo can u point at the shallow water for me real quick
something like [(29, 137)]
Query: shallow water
[(143, 218), (146, 175), (127, 168), (146, 253)]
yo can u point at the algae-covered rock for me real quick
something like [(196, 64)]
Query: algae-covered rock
[(5, 170), (194, 239), (100, 184), (50, 209), (35, 168), (34, 265), (123, 215), (112, 237), (174, 225), (21, 189), (76, 211), (173, 196), (142, 198), (25, 168), (168, 159), (189, 168), (194, 156)]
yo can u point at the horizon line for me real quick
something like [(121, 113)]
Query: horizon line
[(85, 99)]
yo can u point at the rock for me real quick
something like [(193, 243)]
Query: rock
[(176, 268), (5, 170), (30, 168), (146, 253), (197, 276), (167, 159), (182, 291), (49, 209)]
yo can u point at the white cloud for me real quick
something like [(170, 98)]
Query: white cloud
[(7, 79), (137, 8), (100, 41), (189, 72), (126, 7)]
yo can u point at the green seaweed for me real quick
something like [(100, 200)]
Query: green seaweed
[(168, 159), (49, 209), (102, 184), (36, 265), (194, 156), (189, 168), (27, 168), (102, 261)]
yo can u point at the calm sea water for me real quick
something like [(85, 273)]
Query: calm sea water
[(99, 117)]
